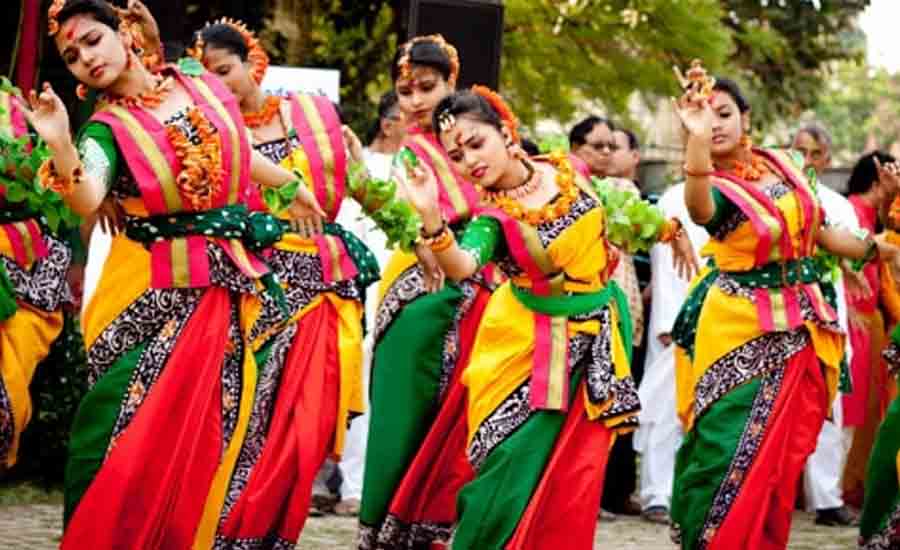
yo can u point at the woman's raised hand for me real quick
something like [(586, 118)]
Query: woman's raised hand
[(421, 190), (352, 143), (47, 115), (684, 259), (695, 113)]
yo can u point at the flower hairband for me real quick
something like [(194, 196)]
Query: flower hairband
[(52, 13), (503, 111), (405, 64), (259, 59)]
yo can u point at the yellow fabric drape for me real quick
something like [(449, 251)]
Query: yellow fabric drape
[(25, 340)]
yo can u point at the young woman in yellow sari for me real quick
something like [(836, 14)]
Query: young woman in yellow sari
[(759, 349), (173, 367), (34, 262), (547, 382)]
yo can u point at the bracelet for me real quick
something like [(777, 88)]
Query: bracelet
[(698, 174), (670, 231), (50, 178), (426, 236), (440, 241), (871, 254)]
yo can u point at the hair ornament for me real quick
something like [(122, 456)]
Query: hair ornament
[(52, 24), (446, 121), (259, 59), (502, 109), (405, 64)]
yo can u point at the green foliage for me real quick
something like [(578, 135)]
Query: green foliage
[(279, 198), (558, 54), (631, 222), (378, 199), (358, 38), (20, 160)]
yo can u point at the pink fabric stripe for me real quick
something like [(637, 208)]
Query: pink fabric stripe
[(252, 267), (787, 247), (221, 198), (348, 268), (20, 255), (231, 105), (792, 307), (325, 258), (762, 230), (764, 309), (161, 264), (198, 261), (808, 203), (38, 245), (336, 137), (465, 188), (516, 244), (253, 199), (17, 119), (316, 165), (540, 371), (823, 308), (28, 59), (140, 167)]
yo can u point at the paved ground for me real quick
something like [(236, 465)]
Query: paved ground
[(37, 527)]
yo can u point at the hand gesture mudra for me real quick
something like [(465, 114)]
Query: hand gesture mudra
[(137, 13), (307, 217), (693, 108), (47, 114), (888, 176), (353, 145), (420, 189)]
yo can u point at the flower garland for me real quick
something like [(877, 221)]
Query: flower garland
[(256, 55), (151, 99), (201, 172), (264, 116), (501, 108), (750, 171), (568, 193)]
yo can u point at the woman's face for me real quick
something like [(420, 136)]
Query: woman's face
[(94, 53), (477, 150), (231, 70), (729, 125), (419, 94)]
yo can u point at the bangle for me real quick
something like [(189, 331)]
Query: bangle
[(670, 231), (427, 236), (871, 254), (440, 241), (50, 178), (698, 173)]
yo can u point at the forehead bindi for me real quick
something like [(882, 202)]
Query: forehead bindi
[(76, 28)]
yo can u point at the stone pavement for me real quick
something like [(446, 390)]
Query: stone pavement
[(37, 527)]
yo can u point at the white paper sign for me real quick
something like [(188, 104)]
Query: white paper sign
[(306, 80)]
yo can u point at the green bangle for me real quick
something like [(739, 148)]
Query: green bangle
[(871, 254)]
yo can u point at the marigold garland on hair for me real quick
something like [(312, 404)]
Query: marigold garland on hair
[(499, 105), (52, 13), (259, 59), (405, 64)]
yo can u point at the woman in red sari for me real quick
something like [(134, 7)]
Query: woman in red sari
[(173, 367), (864, 407)]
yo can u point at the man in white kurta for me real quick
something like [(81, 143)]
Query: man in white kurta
[(659, 434), (822, 476)]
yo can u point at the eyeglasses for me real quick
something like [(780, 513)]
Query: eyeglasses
[(610, 146)]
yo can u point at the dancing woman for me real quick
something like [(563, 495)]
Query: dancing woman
[(759, 348), (325, 272), (423, 329), (880, 521), (172, 365), (34, 261), (548, 381)]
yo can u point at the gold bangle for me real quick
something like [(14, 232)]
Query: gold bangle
[(441, 241)]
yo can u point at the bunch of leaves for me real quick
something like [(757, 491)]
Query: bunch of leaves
[(378, 198), (632, 223), (20, 160), (279, 198), (553, 143)]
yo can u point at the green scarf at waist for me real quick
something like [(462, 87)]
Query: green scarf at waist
[(8, 305), (569, 305)]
